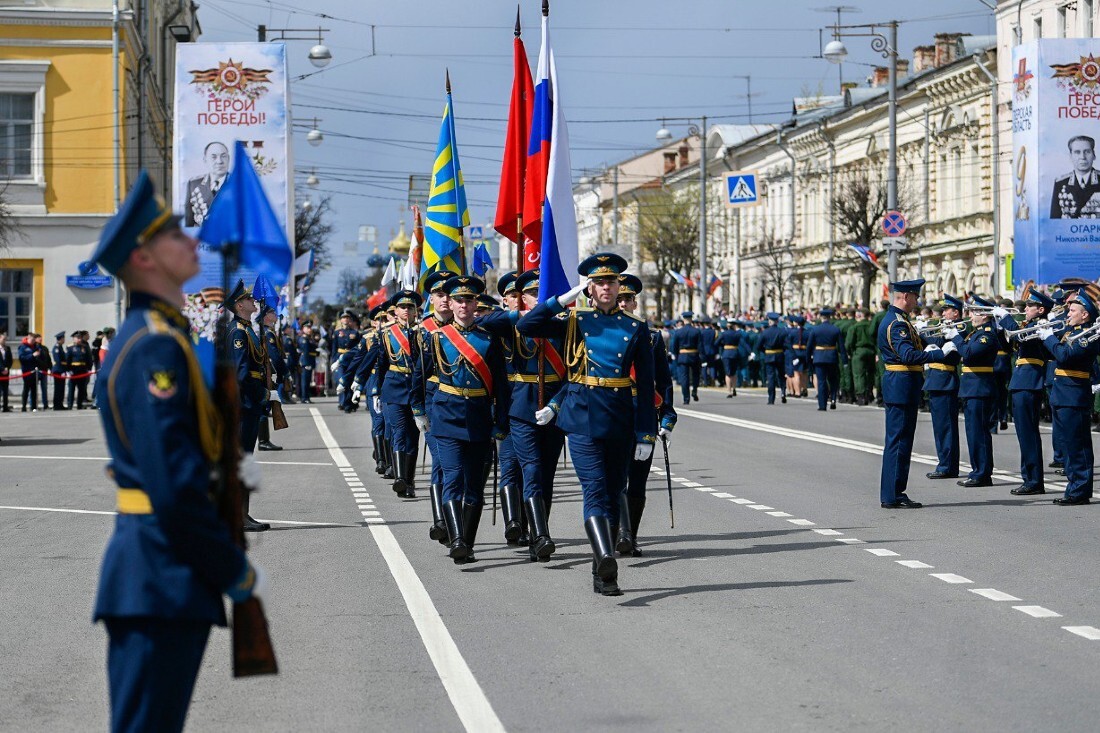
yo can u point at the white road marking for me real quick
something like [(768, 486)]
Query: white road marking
[(104, 459), (879, 552), (850, 541), (915, 564), (760, 507), (993, 594), (951, 578), (53, 509), (778, 514), (723, 495), (466, 695), (828, 532), (743, 501), (692, 484), (704, 489), (801, 522), (1089, 632), (1038, 612)]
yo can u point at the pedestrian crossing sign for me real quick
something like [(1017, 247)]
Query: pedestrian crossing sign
[(741, 189)]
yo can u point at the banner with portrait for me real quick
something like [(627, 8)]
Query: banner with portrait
[(1055, 177), (227, 92)]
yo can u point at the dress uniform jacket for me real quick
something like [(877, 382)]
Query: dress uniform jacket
[(343, 341), (170, 555), (522, 354), (978, 350), (901, 352), (942, 376), (686, 344), (470, 400), (1075, 371), (1030, 370), (773, 342), (308, 352), (708, 351), (826, 345), (275, 354), (796, 348), (399, 377), (60, 359), (247, 353)]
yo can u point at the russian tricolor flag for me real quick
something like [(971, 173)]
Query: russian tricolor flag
[(548, 150)]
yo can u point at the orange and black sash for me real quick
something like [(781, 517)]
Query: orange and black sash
[(470, 354), (552, 356)]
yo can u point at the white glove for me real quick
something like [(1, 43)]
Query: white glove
[(261, 586), (273, 396), (795, 362), (642, 451), (340, 388), (376, 403), (333, 365), (950, 333), (545, 416), (920, 324), (999, 312), (949, 348), (564, 300), (422, 422), (666, 435), (752, 356), (930, 347), (1045, 333), (356, 395), (1095, 388), (249, 472)]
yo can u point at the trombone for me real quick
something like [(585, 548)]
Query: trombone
[(1087, 336)]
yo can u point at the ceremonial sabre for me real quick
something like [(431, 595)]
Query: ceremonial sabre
[(668, 476), (495, 457)]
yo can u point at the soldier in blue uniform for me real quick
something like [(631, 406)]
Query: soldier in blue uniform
[(289, 347), (308, 351), (28, 364), (685, 346), (1026, 388), (708, 353), (1071, 396), (170, 558), (343, 342), (633, 498), (795, 355), (468, 411), (440, 316), (729, 348), (399, 389), (978, 350), (536, 373), (60, 366), (1002, 375), (365, 379), (900, 351), (941, 384), (825, 350), (1057, 324), (773, 343), (606, 425), (275, 365), (78, 362), (247, 352)]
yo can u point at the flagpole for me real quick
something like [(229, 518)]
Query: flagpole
[(454, 175), (520, 260)]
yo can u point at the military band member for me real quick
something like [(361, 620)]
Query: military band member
[(825, 350), (729, 346), (1027, 390), (633, 502), (308, 351), (900, 352), (399, 392), (978, 350), (60, 366), (1071, 395), (275, 365), (941, 384), (603, 346), (343, 341), (440, 316), (468, 411), (685, 346), (247, 352), (773, 342), (170, 558)]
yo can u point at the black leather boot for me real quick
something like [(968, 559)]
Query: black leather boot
[(391, 471), (542, 546), (397, 459), (624, 541), (379, 455), (438, 532), (471, 518), (250, 524), (408, 471), (605, 571), (509, 504), (636, 505), (524, 536), (452, 516)]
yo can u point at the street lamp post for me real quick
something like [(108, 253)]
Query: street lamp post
[(319, 55), (663, 135), (835, 52)]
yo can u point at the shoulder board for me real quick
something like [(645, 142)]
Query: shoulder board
[(156, 322), (636, 318)]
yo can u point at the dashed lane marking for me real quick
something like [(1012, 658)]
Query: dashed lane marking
[(61, 510), (879, 552), (993, 594), (1089, 632), (1038, 611), (951, 578), (915, 564)]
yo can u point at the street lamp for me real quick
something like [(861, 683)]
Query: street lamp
[(314, 137), (835, 52), (664, 135), (312, 181), (320, 55)]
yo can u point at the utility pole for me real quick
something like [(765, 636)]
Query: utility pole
[(615, 207), (703, 215), (892, 159)]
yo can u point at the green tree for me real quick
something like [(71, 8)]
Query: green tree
[(668, 231)]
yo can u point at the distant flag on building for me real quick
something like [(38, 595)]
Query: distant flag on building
[(303, 263), (715, 283), (548, 149), (866, 254), (447, 212), (678, 277), (510, 197), (482, 261)]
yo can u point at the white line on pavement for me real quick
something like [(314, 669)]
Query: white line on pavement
[(1089, 632), (879, 552), (1038, 611), (104, 459), (111, 514), (993, 594), (951, 578), (466, 695), (915, 564)]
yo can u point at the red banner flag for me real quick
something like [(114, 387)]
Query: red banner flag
[(377, 298), (509, 216)]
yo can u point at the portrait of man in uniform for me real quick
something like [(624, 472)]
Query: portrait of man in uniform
[(202, 190), (1077, 193)]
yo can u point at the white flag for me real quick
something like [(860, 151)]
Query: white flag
[(390, 275)]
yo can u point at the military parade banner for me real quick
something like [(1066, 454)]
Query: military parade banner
[(227, 92), (1055, 180)]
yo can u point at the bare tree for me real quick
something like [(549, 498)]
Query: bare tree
[(668, 230), (351, 287), (775, 256), (9, 223), (312, 227)]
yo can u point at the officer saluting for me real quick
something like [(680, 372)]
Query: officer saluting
[(170, 558), (603, 347), (900, 351)]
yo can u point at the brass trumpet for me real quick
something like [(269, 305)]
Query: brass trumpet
[(1031, 332), (987, 310), (1087, 336), (935, 330)]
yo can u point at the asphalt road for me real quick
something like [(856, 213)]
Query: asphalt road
[(784, 599)]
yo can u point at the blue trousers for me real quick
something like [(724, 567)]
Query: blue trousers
[(1056, 438), (345, 396), (152, 665), (602, 465), (429, 440), (538, 448), (1025, 416), (378, 421), (688, 377), (404, 435), (828, 384), (639, 476), (901, 426), (305, 384), (773, 377), (511, 474), (732, 367), (979, 441), (1073, 424), (463, 464), (250, 429), (944, 407)]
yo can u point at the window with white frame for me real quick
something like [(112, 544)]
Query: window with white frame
[(22, 119), (1087, 12), (16, 134)]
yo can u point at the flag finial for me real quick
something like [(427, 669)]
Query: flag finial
[(546, 8), (448, 72), (517, 21)]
